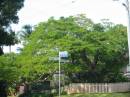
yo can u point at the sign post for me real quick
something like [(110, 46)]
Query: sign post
[(62, 54)]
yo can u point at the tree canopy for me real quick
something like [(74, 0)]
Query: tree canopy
[(8, 15), (94, 52)]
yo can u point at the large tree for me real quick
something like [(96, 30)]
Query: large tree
[(8, 15), (93, 55)]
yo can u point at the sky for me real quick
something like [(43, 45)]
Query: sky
[(35, 11)]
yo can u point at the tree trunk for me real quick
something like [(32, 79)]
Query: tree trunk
[(1, 51)]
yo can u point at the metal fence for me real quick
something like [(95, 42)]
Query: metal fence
[(97, 87)]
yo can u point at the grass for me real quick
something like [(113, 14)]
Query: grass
[(87, 95), (99, 95)]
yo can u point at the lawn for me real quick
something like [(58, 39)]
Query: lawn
[(99, 95), (87, 95)]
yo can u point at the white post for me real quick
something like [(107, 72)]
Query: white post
[(128, 33), (59, 75), (126, 5), (63, 54)]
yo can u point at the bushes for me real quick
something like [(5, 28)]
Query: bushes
[(97, 77)]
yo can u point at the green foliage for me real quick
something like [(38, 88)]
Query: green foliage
[(8, 15), (8, 68), (98, 28), (8, 10), (95, 52), (25, 33)]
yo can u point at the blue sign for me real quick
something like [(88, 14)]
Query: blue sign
[(63, 54)]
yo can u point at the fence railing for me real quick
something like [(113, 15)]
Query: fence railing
[(97, 87)]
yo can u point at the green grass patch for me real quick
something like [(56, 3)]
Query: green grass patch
[(86, 95), (98, 95)]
